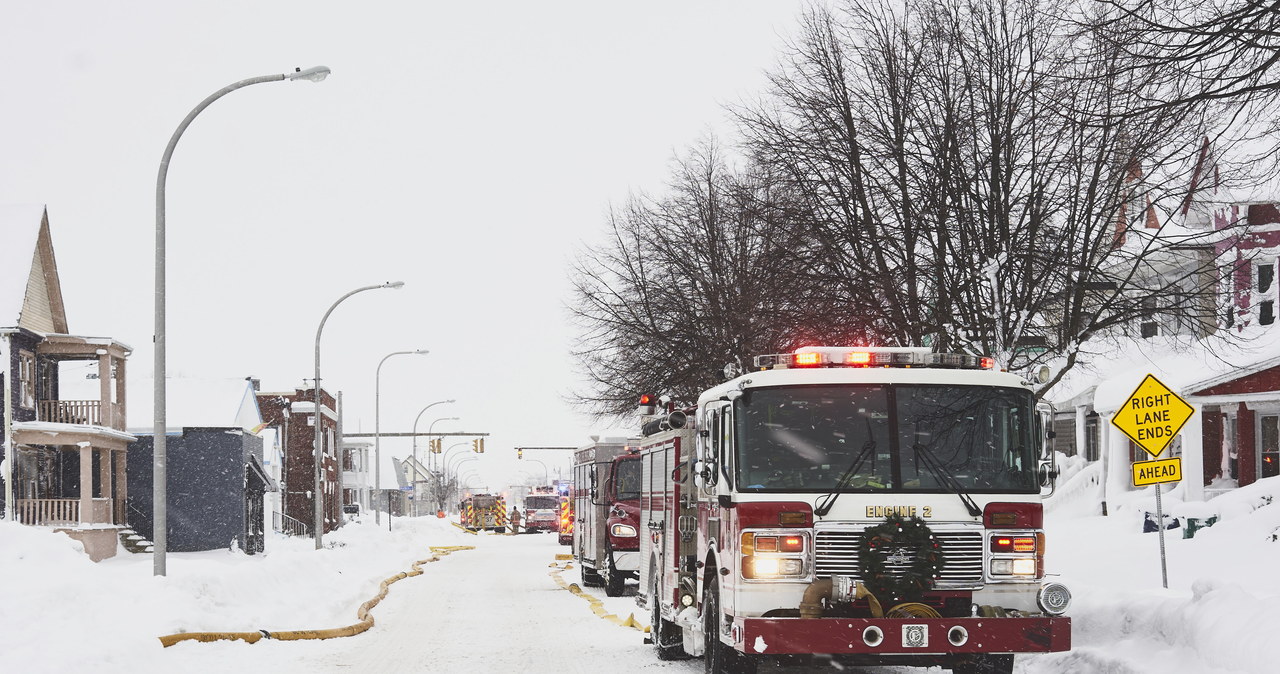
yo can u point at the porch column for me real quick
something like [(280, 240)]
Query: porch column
[(120, 397), (104, 390), (1116, 456), (104, 472), (1082, 440), (86, 484), (1193, 455), (122, 492)]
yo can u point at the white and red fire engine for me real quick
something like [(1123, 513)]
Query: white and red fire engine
[(542, 510), (871, 505)]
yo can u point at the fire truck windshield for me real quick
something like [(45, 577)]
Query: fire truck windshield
[(920, 438), (542, 502), (627, 480)]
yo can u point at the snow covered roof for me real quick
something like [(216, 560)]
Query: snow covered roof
[(1184, 368), (19, 232), (190, 402)]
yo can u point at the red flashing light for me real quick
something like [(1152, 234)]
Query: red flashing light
[(792, 544), (987, 363), (647, 399), (806, 359), (858, 358)]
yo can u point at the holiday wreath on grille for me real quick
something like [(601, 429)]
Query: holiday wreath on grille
[(900, 540)]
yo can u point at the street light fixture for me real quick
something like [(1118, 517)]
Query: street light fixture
[(377, 430), (317, 450), (546, 474), (430, 429), (159, 466), (415, 424)]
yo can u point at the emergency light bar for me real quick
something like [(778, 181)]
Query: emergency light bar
[(871, 356)]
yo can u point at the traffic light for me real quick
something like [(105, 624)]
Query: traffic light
[(519, 452), (482, 445), (475, 445), (435, 445)]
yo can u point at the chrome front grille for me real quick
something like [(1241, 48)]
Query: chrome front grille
[(836, 554)]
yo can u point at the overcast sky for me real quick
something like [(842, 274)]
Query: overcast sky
[(467, 149)]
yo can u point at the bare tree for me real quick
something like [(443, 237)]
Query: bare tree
[(960, 195), (690, 282)]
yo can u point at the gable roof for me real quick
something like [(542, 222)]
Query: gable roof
[(30, 292)]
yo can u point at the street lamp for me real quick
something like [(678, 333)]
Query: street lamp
[(546, 474), (317, 452), (377, 430), (430, 429), (454, 466), (415, 424), (159, 474), (444, 457)]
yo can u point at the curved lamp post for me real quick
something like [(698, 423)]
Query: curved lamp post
[(430, 430), (317, 450), (546, 474), (453, 467), (415, 424), (159, 474), (377, 430)]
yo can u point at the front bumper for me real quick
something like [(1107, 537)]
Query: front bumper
[(924, 636)]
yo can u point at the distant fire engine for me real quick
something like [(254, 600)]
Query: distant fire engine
[(565, 537), (881, 505), (606, 487), (484, 512), (542, 510)]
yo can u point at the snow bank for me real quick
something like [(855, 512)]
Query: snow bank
[(112, 612)]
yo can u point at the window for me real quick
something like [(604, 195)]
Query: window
[(1268, 446), (1266, 303), (27, 379)]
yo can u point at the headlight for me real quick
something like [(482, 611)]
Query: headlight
[(623, 530), (1017, 566), (773, 567)]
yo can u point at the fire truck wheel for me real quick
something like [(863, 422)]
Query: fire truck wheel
[(663, 631), (614, 582), (985, 664), (719, 658), (589, 576)]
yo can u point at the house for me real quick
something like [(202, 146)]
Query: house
[(64, 457), (292, 414), (357, 473), (1227, 367), (216, 477)]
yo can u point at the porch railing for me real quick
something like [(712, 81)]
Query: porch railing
[(62, 511), (289, 526)]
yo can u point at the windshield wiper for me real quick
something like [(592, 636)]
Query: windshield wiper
[(944, 478), (829, 501)]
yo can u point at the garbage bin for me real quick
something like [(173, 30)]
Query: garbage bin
[(1149, 523), (1195, 524)]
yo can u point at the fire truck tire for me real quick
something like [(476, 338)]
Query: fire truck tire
[(501, 530), (614, 582), (985, 664), (663, 631), (589, 576), (719, 658)]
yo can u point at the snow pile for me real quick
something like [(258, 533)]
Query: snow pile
[(114, 611), (1215, 616)]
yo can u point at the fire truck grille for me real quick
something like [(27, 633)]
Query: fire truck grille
[(837, 555)]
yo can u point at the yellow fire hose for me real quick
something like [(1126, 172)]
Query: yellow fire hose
[(596, 606), (366, 620)]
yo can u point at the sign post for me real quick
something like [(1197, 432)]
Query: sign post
[(1151, 417)]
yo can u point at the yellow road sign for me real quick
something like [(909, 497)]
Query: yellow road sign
[(1152, 416), (1157, 472)]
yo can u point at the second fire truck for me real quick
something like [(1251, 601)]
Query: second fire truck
[(484, 512), (874, 505)]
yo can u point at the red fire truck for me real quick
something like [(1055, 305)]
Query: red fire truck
[(565, 536), (606, 509), (874, 505), (542, 510)]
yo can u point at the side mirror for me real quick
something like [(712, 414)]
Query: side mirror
[(1047, 474), (704, 474)]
